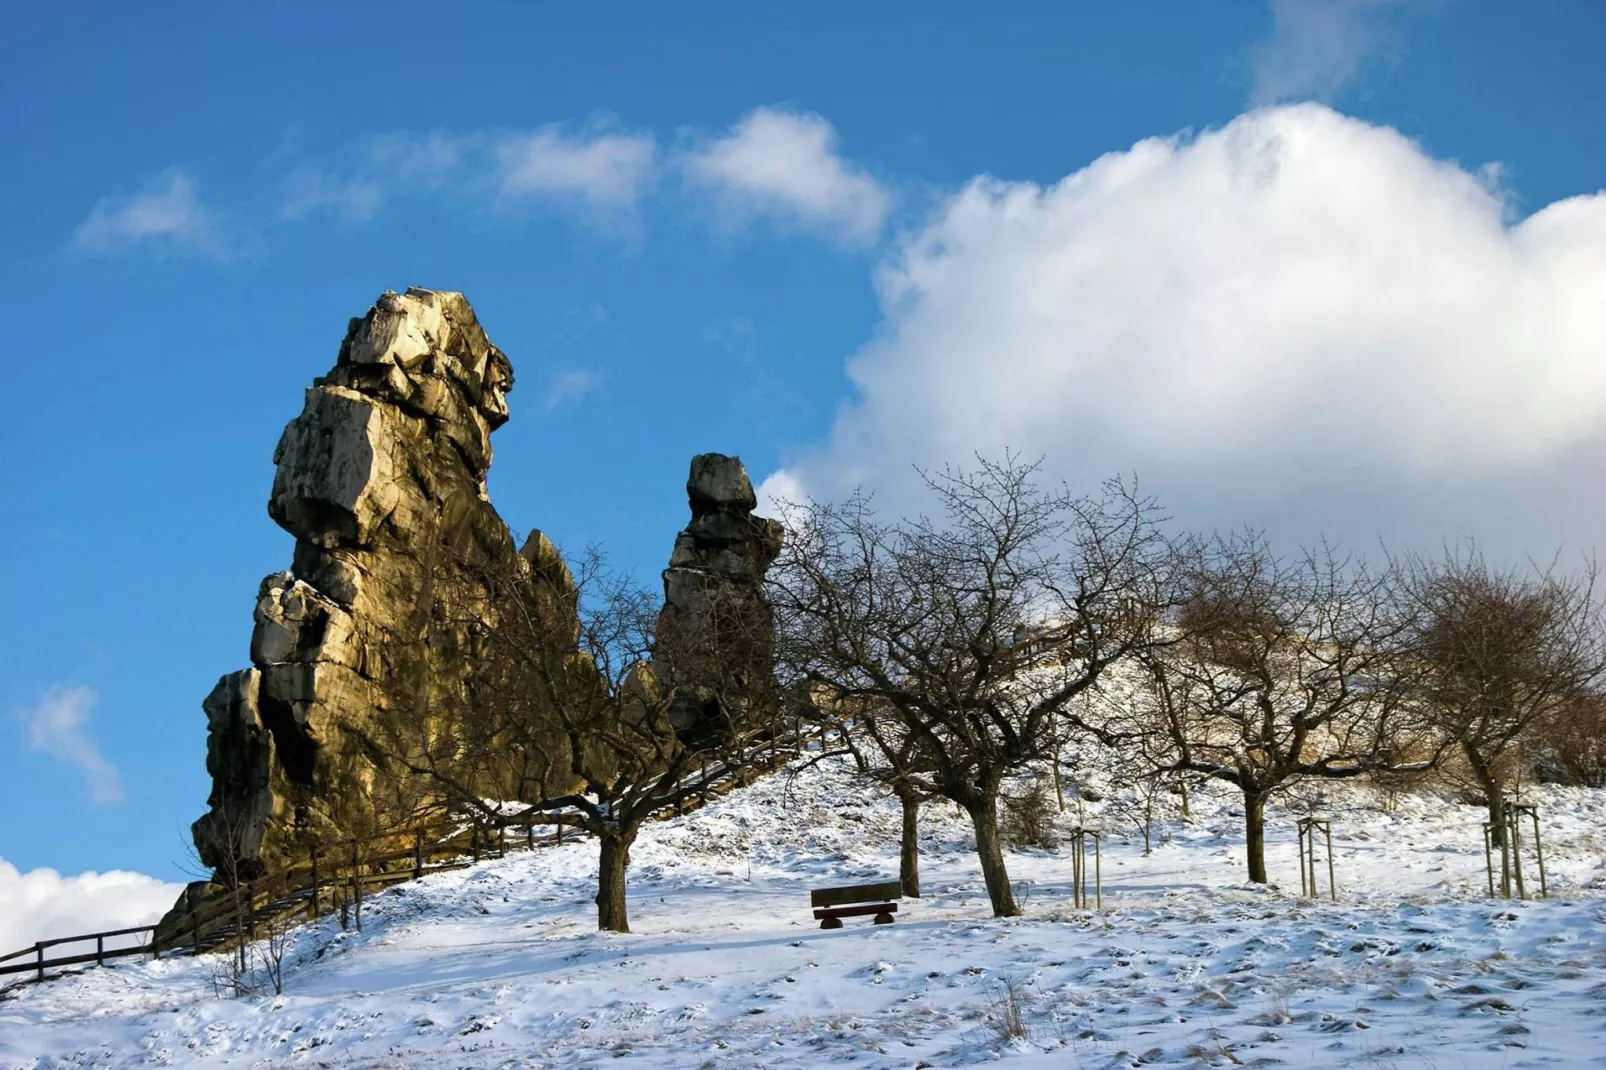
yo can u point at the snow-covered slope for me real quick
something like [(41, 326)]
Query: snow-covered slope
[(500, 965)]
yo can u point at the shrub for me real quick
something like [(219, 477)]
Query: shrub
[(1028, 818)]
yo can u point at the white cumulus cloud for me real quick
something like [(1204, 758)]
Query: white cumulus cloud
[(41, 904), (784, 164), (59, 726), (164, 217), (1292, 304)]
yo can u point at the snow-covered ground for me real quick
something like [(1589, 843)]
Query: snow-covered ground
[(500, 965)]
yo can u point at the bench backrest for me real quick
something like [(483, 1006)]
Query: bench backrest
[(855, 893)]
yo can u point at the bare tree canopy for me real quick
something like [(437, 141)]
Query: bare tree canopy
[(1502, 653), (953, 644), (1268, 670)]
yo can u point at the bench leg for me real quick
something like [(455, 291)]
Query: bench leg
[(831, 923), (883, 919)]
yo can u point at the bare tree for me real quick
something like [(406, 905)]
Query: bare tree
[(887, 754), (966, 637), (1276, 670), (1572, 743), (588, 706), (1134, 800), (1501, 652), (656, 715), (277, 938)]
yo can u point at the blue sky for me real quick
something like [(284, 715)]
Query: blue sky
[(1321, 267)]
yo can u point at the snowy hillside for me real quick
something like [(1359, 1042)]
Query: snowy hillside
[(499, 965)]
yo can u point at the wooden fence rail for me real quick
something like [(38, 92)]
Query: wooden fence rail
[(330, 881), (98, 956), (316, 887)]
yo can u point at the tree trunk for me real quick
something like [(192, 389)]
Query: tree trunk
[(1255, 835), (1493, 792), (1059, 787), (615, 857), (984, 817), (909, 848)]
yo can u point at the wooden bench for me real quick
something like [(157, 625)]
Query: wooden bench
[(831, 905)]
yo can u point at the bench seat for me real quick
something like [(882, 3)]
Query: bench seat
[(828, 915), (831, 905)]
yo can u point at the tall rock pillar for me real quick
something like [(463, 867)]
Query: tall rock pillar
[(716, 615), (381, 480)]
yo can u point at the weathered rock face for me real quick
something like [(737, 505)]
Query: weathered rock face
[(381, 480), (714, 590)]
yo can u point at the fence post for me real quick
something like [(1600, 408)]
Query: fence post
[(418, 853), (1514, 832), (356, 884), (1078, 889), (314, 915), (100, 950), (1488, 858), (1098, 870), (195, 918), (251, 909), (1332, 885), (1505, 862), (1539, 851), (39, 950), (529, 836)]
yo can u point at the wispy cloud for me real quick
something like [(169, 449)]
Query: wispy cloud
[(59, 726), (784, 164), (385, 166), (165, 217), (775, 163), (603, 170), (568, 386), (1317, 48), (600, 169)]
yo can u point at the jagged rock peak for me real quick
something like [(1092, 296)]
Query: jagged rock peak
[(724, 537), (545, 561), (426, 334), (717, 483)]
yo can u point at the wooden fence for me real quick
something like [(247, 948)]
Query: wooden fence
[(98, 956), (331, 880)]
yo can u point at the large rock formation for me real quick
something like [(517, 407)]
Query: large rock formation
[(715, 610), (381, 480)]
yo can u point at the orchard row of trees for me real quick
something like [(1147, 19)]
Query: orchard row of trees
[(954, 651), (949, 653)]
